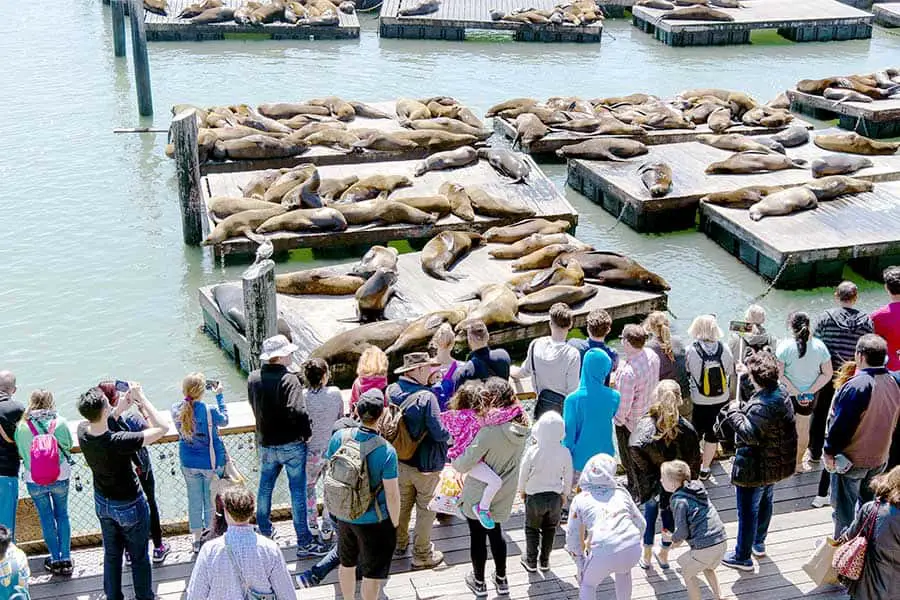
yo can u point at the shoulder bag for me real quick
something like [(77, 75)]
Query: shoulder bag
[(247, 591), (850, 557)]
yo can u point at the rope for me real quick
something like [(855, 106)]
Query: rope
[(618, 219), (772, 285), (370, 9)]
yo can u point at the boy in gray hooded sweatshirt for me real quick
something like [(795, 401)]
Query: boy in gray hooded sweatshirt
[(698, 524)]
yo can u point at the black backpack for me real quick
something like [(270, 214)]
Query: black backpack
[(713, 381)]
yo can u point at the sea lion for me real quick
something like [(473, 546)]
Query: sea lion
[(434, 139), (288, 181), (368, 112), (784, 203), (337, 107), (385, 142), (529, 129), (372, 186), (223, 206), (696, 13), (733, 142), (373, 295), (411, 110), (615, 270), (615, 149), (542, 300), (446, 249), (533, 281), (449, 159), (516, 104), (498, 305), (385, 211), (220, 14), (267, 13), (317, 281), (159, 7), (742, 197), (305, 194), (490, 206), (507, 163), (509, 234), (229, 298), (240, 224), (258, 184), (838, 164), (448, 125), (330, 188), (544, 257), (726, 3), (345, 348), (792, 136), (420, 331), (853, 143), (340, 139), (253, 147), (843, 95), (719, 120), (377, 257), (460, 203), (192, 10), (829, 188), (437, 205), (287, 110), (780, 101), (657, 178), (254, 119), (527, 245), (657, 4), (422, 7), (755, 162), (305, 219)]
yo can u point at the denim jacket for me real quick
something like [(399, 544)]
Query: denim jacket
[(194, 451)]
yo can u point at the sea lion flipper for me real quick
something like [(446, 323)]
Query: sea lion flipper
[(800, 163)]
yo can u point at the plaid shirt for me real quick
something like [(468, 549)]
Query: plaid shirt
[(636, 378)]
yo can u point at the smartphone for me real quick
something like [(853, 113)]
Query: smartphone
[(122, 386), (741, 326), (212, 384)]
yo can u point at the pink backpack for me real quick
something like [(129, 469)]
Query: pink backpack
[(44, 455)]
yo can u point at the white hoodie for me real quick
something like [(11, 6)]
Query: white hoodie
[(546, 464)]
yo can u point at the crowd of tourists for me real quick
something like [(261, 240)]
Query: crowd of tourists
[(616, 442)]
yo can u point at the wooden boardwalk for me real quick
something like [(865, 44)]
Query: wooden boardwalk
[(314, 319), (793, 532), (859, 230), (454, 17), (539, 193), (797, 20), (876, 119), (172, 29), (613, 185), (887, 14)]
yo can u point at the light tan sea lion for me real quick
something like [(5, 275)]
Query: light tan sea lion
[(240, 224), (527, 245), (436, 205), (657, 178), (435, 140), (450, 159), (339, 108), (445, 250), (192, 10), (719, 120), (509, 234), (498, 305), (287, 110), (420, 331), (372, 186), (268, 12), (386, 211), (411, 110), (332, 138), (657, 4), (533, 281), (733, 142), (491, 206), (829, 188), (544, 257), (529, 129), (618, 100), (331, 188), (306, 194), (288, 181), (755, 162), (254, 147), (515, 104), (784, 203), (741, 198), (460, 203), (696, 13), (220, 14), (542, 300), (385, 142), (224, 206), (376, 257), (159, 7), (853, 143), (305, 219), (258, 184), (448, 125), (838, 164), (317, 281), (311, 128), (614, 149)]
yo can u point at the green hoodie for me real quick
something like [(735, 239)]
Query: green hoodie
[(41, 420)]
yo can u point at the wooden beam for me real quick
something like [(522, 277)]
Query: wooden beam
[(187, 168), (118, 24), (259, 307), (139, 56)]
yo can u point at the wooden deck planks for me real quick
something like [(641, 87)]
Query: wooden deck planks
[(170, 28), (539, 193), (887, 14), (877, 119)]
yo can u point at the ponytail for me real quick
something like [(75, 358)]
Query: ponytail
[(800, 328), (664, 410), (657, 325), (192, 386)]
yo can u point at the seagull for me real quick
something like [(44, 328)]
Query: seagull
[(265, 250)]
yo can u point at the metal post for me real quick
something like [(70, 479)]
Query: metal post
[(259, 307), (187, 170), (140, 59)]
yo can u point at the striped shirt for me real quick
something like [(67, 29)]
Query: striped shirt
[(840, 329), (636, 378)]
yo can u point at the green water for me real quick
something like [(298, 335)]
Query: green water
[(96, 280)]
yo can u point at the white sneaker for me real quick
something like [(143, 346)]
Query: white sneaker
[(820, 501)]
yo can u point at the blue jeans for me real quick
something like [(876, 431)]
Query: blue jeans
[(199, 496), (125, 525), (52, 504), (754, 512), (9, 500), (292, 457), (651, 512), (846, 491)]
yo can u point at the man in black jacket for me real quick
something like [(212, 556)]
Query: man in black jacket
[(10, 414), (282, 429), (483, 362)]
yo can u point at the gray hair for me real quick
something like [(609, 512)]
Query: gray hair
[(7, 382)]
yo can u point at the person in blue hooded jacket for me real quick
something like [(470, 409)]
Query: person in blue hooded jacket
[(588, 412)]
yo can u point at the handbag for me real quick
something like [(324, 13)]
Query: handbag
[(248, 592), (819, 565), (447, 494), (850, 557), (230, 470), (547, 399)]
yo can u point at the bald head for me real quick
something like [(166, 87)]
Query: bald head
[(7, 383)]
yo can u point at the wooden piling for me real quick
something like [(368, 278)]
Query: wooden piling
[(118, 24), (259, 307), (187, 168), (139, 56)]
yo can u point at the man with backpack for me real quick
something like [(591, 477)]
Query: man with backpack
[(11, 411), (363, 494), (420, 439)]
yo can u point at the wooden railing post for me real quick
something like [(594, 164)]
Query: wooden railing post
[(259, 307), (140, 59), (118, 24), (187, 169)]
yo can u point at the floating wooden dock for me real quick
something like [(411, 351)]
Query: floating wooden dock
[(616, 8), (539, 193), (614, 185), (876, 119), (172, 29), (796, 20), (314, 319), (553, 141), (887, 14), (859, 230), (455, 17)]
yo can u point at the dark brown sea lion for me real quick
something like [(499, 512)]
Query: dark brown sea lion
[(498, 305), (420, 331), (384, 211), (305, 194), (331, 188), (615, 270), (853, 143), (229, 298), (223, 206), (829, 188), (509, 234), (529, 129), (460, 203), (317, 281), (792, 136), (192, 10), (368, 112), (220, 14), (755, 162), (733, 142), (838, 164), (450, 159), (372, 186), (445, 250), (527, 245), (784, 203), (490, 206), (696, 13), (374, 294), (287, 181), (742, 197), (254, 147), (268, 12), (542, 300), (544, 257), (516, 104), (507, 163), (657, 178), (305, 219), (346, 348), (615, 149), (240, 223), (533, 281)]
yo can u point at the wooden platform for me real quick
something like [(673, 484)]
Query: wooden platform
[(797, 20), (877, 119), (313, 319), (172, 29), (539, 193), (793, 532), (613, 185), (616, 8), (552, 142), (454, 17), (887, 14)]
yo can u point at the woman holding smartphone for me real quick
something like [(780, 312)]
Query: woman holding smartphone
[(200, 449)]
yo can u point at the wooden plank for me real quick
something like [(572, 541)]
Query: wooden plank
[(539, 193), (171, 28), (887, 14)]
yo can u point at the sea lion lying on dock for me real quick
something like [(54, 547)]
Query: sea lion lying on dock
[(220, 14), (436, 204), (614, 270), (372, 186), (448, 125), (528, 283), (345, 348), (784, 203), (791, 137), (192, 10), (384, 211), (372, 296), (614, 149), (733, 142), (529, 129), (843, 95), (240, 224), (696, 13), (422, 7), (369, 112), (833, 186), (755, 162), (420, 331), (853, 143), (460, 203), (839, 164), (498, 305), (742, 197), (450, 159), (509, 234), (223, 207), (435, 139), (527, 245), (331, 188), (229, 297), (491, 206), (254, 147), (506, 163), (515, 104), (305, 219), (287, 181), (305, 194), (377, 257), (445, 250), (544, 257), (158, 7), (542, 300), (317, 281), (657, 178), (657, 4)]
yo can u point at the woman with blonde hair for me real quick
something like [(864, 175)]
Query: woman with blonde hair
[(47, 484), (670, 350), (444, 385), (200, 449), (710, 367), (371, 373), (662, 435)]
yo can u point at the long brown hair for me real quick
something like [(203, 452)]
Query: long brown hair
[(40, 400), (192, 385), (499, 394), (844, 374), (657, 325), (664, 410), (887, 486)]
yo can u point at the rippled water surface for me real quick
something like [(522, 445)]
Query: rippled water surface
[(95, 279)]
